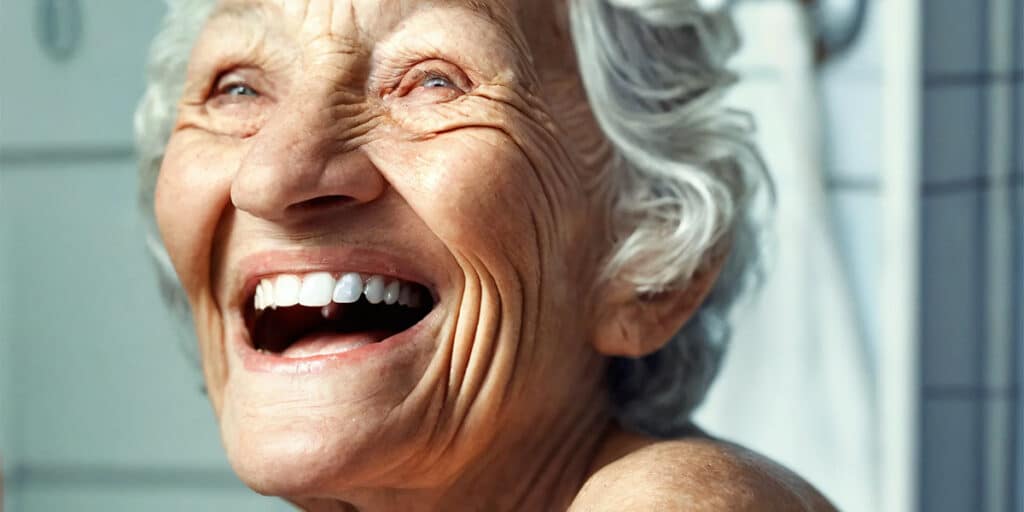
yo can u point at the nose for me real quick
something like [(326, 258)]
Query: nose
[(297, 165)]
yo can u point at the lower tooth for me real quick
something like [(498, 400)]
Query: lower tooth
[(329, 311)]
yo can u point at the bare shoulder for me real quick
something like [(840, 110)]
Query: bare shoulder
[(692, 474)]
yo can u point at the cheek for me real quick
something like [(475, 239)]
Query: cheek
[(477, 192), (192, 192)]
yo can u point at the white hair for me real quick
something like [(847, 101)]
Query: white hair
[(655, 75), (682, 182)]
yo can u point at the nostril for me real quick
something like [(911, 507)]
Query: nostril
[(321, 203)]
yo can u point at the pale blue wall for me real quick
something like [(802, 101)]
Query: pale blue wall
[(99, 408), (969, 416)]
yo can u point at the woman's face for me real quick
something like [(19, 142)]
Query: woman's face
[(418, 141)]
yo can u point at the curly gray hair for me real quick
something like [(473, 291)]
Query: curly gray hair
[(683, 180)]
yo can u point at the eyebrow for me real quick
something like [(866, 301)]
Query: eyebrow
[(238, 11), (480, 7)]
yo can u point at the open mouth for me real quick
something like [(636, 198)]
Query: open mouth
[(297, 316)]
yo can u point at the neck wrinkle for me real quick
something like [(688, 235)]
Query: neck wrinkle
[(543, 468), (545, 476), (566, 466)]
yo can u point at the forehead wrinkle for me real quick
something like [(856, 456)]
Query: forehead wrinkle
[(245, 10), (273, 16), (485, 10), (505, 20), (257, 11), (397, 11), (234, 34), (379, 24), (249, 20), (506, 32), (480, 7)]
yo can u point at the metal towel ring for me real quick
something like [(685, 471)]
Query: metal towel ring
[(837, 23)]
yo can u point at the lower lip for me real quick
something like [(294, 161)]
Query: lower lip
[(266, 362)]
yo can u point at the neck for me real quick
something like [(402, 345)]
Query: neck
[(541, 469)]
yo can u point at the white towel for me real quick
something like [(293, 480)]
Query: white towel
[(796, 384)]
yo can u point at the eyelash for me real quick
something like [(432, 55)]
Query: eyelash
[(228, 88), (232, 85), (431, 77)]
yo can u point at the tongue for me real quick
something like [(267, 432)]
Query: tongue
[(324, 343)]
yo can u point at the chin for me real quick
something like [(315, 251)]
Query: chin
[(295, 463), (288, 435)]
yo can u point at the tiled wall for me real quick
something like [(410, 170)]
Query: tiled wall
[(971, 256), (971, 436), (99, 408)]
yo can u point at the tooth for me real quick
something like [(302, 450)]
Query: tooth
[(329, 311), (415, 300), (316, 289), (349, 288), (391, 292), (268, 293), (374, 290), (259, 302), (286, 291), (403, 295)]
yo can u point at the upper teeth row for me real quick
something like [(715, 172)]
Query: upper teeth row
[(321, 288)]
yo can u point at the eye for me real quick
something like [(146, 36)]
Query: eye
[(238, 100), (237, 89), (239, 84), (432, 81)]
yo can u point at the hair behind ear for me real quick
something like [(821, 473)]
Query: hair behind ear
[(656, 393), (685, 176), (633, 323)]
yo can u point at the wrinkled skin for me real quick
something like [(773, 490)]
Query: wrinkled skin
[(444, 133)]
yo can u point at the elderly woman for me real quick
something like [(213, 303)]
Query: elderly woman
[(458, 254)]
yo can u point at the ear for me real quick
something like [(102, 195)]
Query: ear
[(633, 325)]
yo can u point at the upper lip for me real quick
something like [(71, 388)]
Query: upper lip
[(261, 265)]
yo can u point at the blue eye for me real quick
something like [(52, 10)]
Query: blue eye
[(436, 81), (238, 90), (432, 81)]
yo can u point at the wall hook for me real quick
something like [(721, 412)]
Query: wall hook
[(59, 27)]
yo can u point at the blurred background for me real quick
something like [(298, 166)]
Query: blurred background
[(882, 360)]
